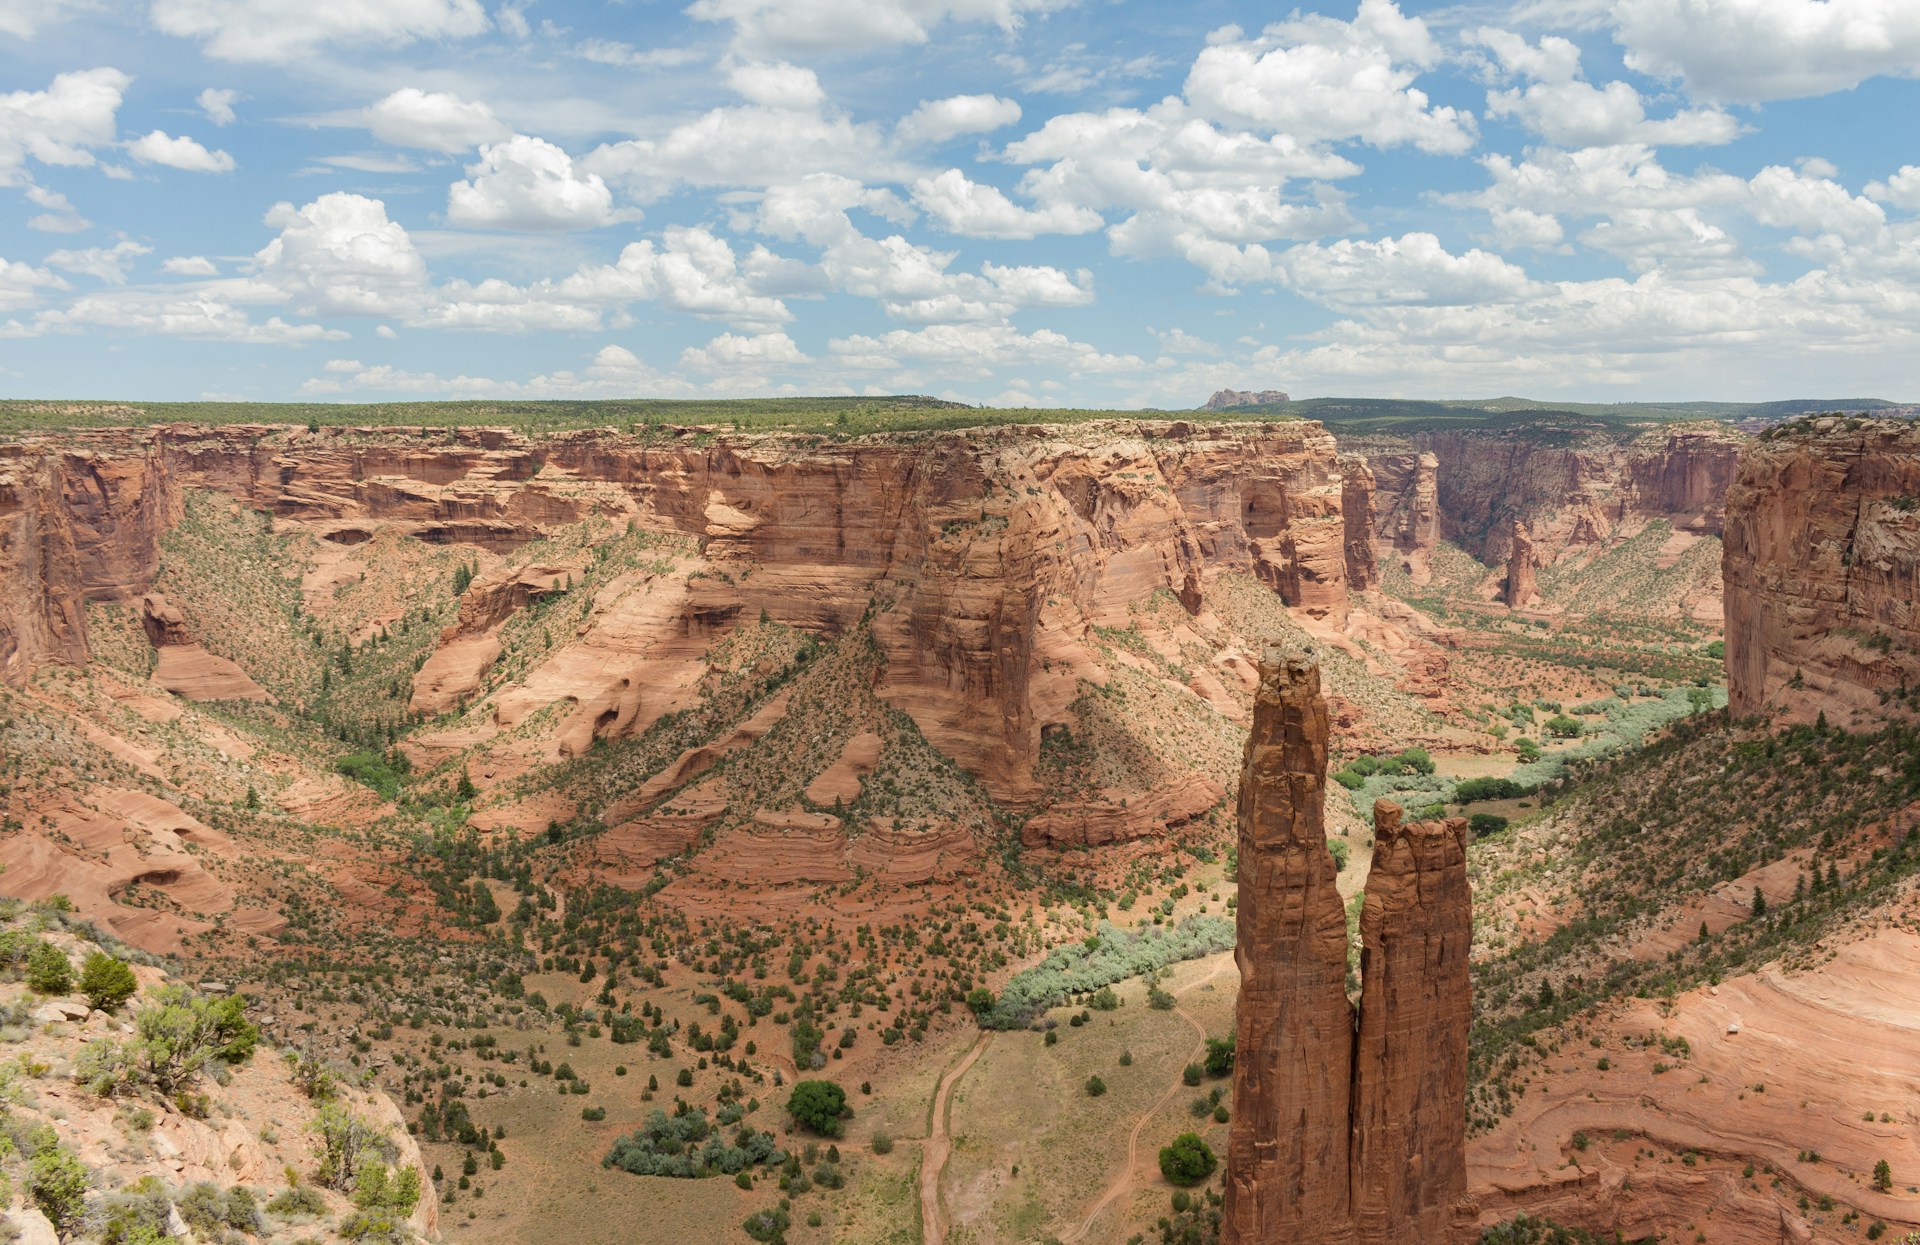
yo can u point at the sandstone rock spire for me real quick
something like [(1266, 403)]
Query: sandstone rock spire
[(1520, 588), (1344, 1132), (1410, 1059), (1287, 1156)]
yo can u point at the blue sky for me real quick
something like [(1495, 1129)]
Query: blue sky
[(1014, 202)]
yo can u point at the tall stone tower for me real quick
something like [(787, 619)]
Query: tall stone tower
[(1348, 1128)]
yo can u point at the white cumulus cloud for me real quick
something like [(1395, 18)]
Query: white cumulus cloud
[(850, 25), (60, 125), (777, 85), (158, 147), (1563, 108), (1755, 50), (434, 121), (103, 263), (1902, 189), (1321, 79), (731, 352), (341, 255), (528, 183), (974, 210), (26, 18), (937, 120)]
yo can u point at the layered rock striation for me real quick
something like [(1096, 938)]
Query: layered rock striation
[(1822, 572), (1347, 1128), (1578, 487), (983, 559)]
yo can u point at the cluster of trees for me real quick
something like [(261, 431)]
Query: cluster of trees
[(1109, 956), (689, 1147), (1354, 774)]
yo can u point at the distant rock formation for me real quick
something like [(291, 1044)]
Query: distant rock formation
[(1581, 489), (1520, 589), (1228, 398), (1822, 572), (1343, 1136)]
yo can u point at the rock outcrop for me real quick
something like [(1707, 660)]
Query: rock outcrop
[(1226, 399), (1520, 588), (1409, 1169), (1289, 1150), (1822, 572), (1342, 1135), (183, 666)]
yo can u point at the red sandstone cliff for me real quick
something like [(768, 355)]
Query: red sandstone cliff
[(1346, 1131), (1579, 488), (985, 556), (1822, 571)]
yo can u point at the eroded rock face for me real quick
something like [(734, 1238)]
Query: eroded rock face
[(1289, 1150), (1345, 1130), (1579, 489), (183, 666), (990, 552), (1822, 572)]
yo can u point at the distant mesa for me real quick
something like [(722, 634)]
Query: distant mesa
[(1227, 399)]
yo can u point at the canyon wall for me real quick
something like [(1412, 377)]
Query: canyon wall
[(1347, 1129), (1822, 571), (982, 557), (1575, 487)]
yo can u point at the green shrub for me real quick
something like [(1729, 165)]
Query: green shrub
[(57, 1182), (1220, 1056), (818, 1106), (135, 1215), (177, 1035), (1095, 1087), (1187, 1160), (48, 969), (768, 1226), (297, 1202), (689, 1147), (348, 1145), (1472, 790), (1483, 824), (106, 982), (1117, 955)]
